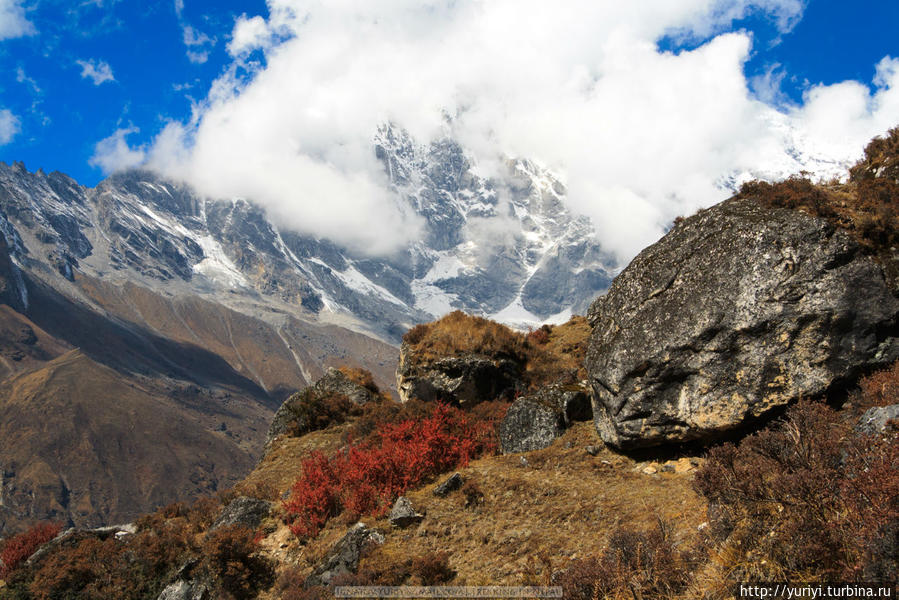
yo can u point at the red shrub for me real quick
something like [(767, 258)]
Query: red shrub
[(19, 547), (368, 476)]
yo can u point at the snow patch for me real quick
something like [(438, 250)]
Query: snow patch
[(433, 300), (355, 280), (516, 316), (216, 266)]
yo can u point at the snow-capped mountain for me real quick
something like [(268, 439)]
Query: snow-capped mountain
[(507, 248)]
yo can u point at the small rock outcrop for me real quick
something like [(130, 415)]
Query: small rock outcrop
[(403, 514), (536, 420), (185, 590), (874, 420), (74, 535), (453, 483), (243, 510), (460, 380), (289, 417), (343, 559), (738, 310)]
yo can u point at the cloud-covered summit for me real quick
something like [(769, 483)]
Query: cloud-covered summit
[(639, 134)]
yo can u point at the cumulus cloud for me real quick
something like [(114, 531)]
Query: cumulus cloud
[(9, 126), (248, 35), (114, 154), (13, 23), (98, 71), (639, 135)]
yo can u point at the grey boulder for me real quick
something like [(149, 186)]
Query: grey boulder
[(738, 310), (245, 511), (874, 420), (343, 558), (536, 420), (403, 514)]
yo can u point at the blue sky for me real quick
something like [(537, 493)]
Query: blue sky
[(90, 68), (279, 100)]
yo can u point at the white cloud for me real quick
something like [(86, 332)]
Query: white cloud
[(9, 126), (640, 135), (179, 8), (98, 71), (847, 115), (114, 154), (249, 34), (13, 23), (198, 44)]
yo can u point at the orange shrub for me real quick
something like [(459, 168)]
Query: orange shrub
[(19, 547)]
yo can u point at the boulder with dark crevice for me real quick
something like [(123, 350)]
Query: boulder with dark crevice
[(462, 380)]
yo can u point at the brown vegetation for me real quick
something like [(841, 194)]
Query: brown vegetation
[(168, 541), (866, 205), (313, 411), (808, 498), (647, 565), (231, 563), (545, 354)]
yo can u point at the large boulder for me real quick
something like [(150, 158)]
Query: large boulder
[(536, 420), (738, 310), (462, 380)]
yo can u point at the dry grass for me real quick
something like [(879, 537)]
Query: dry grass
[(564, 505), (865, 206), (546, 354), (279, 469), (458, 333), (361, 377), (563, 352)]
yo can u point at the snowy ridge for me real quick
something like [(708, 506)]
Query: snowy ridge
[(504, 246)]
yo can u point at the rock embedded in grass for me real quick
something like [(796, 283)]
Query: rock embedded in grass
[(536, 420), (403, 514), (453, 483)]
